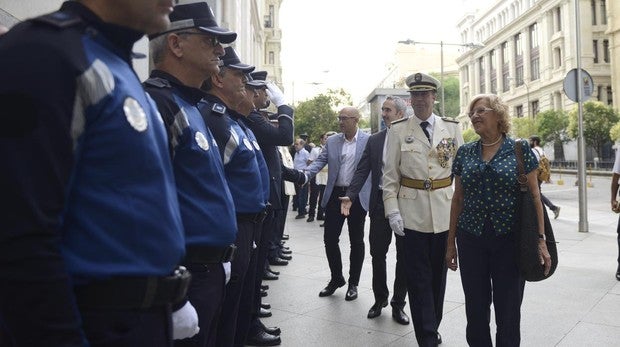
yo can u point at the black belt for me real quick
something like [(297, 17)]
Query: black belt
[(209, 254), (134, 292), (340, 189), (255, 218)]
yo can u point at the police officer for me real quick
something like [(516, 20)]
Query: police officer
[(89, 250), (248, 180), (417, 193), (206, 204)]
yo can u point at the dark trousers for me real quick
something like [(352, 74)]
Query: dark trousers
[(618, 231), (316, 195), (227, 324), (331, 236), (302, 198), (206, 294), (280, 222), (546, 200), (489, 273), (426, 281), (128, 328), (379, 239)]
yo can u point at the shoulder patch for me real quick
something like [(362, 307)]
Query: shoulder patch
[(219, 108), (451, 120), (400, 120), (59, 19), (158, 82)]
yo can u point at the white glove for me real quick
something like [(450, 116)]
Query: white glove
[(184, 322), (396, 223), (227, 271), (275, 94)]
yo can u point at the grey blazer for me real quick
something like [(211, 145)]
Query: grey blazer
[(331, 155)]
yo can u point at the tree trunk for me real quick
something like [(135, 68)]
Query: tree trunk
[(558, 150)]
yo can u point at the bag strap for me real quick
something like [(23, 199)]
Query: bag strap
[(522, 177)]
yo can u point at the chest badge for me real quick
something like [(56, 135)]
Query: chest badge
[(446, 149), (135, 114), (201, 140), (409, 139)]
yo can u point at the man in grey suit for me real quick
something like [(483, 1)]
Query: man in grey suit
[(342, 152), (371, 163)]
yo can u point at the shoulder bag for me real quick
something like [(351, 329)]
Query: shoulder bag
[(526, 229)]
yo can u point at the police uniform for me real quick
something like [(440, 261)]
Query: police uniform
[(95, 218), (417, 182)]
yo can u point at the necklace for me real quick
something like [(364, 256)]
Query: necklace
[(492, 143)]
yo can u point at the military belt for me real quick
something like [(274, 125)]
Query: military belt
[(427, 184), (209, 254)]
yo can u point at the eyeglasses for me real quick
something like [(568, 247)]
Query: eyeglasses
[(479, 111), (212, 40), (343, 118)]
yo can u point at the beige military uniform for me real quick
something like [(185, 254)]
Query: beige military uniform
[(409, 155)]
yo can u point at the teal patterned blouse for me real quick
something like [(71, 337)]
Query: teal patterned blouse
[(490, 188)]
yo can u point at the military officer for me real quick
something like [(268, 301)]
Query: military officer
[(417, 194)]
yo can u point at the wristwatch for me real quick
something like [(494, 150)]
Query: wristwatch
[(542, 237)]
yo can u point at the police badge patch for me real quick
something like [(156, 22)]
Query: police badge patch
[(446, 149), (201, 140), (135, 114)]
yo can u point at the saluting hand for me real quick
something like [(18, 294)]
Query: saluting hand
[(345, 205)]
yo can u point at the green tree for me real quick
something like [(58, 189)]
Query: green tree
[(523, 127), (598, 119), (614, 133), (451, 94), (469, 135), (319, 114), (551, 125)]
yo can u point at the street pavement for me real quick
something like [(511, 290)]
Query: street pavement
[(578, 306)]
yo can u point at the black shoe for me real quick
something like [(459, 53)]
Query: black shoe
[(320, 217), (331, 287), (264, 313), (300, 216), (265, 306), (439, 340), (263, 293), (310, 219), (263, 339), (277, 273), (278, 261), (375, 310), (286, 251), (322, 225), (351, 293), (285, 257), (275, 331), (399, 315), (264, 287), (618, 273), (269, 276), (285, 236)]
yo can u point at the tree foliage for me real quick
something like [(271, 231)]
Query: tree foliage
[(598, 119), (469, 135), (451, 94), (614, 133), (551, 125), (523, 127), (319, 115)]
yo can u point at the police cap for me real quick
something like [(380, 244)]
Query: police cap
[(231, 60), (422, 82), (258, 79), (192, 14)]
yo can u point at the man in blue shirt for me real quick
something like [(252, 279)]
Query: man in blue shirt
[(300, 162)]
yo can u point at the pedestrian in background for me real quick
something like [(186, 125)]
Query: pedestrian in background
[(614, 202), (317, 183), (481, 224), (539, 153), (300, 161), (417, 189)]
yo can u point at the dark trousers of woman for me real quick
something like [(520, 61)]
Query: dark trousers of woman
[(426, 282), (489, 273), (334, 221), (618, 231)]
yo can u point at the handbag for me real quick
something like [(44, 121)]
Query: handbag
[(526, 229)]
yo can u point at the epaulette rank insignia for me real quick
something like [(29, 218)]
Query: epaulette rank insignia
[(59, 19), (219, 108)]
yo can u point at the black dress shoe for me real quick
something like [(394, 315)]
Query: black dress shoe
[(286, 251), (285, 257), (375, 310), (278, 261), (322, 225), (263, 293), (269, 276), (277, 273), (265, 306), (310, 219), (285, 237), (264, 313), (300, 216), (263, 339), (331, 287), (399, 315), (264, 287), (351, 293), (618, 273), (275, 331), (439, 340)]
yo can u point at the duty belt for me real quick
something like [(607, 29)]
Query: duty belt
[(427, 184), (209, 254), (255, 218), (134, 292)]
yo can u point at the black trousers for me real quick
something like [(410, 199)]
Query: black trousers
[(280, 223), (489, 274), (334, 221), (206, 294), (379, 239), (426, 281), (128, 328), (316, 195), (618, 231), (227, 325)]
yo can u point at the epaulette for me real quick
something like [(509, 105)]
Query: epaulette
[(400, 120), (59, 19), (158, 82), (448, 119), (218, 108)]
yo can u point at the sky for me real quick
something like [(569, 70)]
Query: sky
[(350, 43)]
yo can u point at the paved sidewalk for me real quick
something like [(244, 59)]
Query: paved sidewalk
[(578, 306)]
